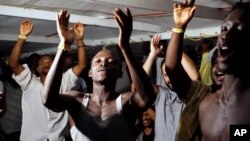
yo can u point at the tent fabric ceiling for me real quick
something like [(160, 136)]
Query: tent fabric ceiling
[(150, 17)]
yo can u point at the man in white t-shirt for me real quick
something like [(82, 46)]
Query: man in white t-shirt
[(40, 123)]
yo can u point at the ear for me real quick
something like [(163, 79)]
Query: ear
[(90, 73)]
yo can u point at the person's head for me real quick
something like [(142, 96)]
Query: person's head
[(233, 41), (206, 45), (217, 75), (44, 64), (146, 120), (32, 62), (165, 75), (105, 67)]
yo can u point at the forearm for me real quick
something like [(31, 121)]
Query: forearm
[(16, 53), (140, 79), (174, 52), (82, 59), (179, 79), (53, 80), (190, 67), (147, 66)]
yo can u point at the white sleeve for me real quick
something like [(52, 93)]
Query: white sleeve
[(76, 135), (24, 79)]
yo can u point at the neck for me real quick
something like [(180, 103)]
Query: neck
[(42, 78), (103, 93), (231, 85)]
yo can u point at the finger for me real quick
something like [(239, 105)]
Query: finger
[(192, 3), (128, 14), (118, 21), (175, 5), (192, 11), (57, 23), (118, 17), (184, 2), (158, 38), (67, 18), (120, 14), (154, 38)]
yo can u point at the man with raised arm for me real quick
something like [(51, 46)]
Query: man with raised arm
[(168, 105), (104, 114), (189, 92), (38, 122)]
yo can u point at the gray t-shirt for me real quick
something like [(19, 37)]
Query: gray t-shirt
[(168, 108)]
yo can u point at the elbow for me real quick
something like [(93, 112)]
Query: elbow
[(195, 77), (82, 66), (13, 65)]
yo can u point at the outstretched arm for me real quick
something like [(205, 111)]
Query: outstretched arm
[(51, 97), (155, 50), (190, 67), (141, 82), (180, 81), (82, 60), (25, 30)]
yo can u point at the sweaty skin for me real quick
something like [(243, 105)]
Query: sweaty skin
[(231, 104)]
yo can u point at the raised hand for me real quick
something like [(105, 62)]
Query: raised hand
[(65, 33), (26, 27), (125, 23), (155, 46), (79, 30), (183, 13)]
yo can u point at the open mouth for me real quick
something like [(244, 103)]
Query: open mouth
[(225, 52), (220, 75)]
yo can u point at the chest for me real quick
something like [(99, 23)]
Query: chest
[(222, 113)]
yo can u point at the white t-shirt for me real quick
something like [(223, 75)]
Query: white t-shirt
[(40, 123)]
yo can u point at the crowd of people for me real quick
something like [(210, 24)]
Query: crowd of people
[(47, 100)]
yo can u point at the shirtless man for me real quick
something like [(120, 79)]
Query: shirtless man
[(231, 104)]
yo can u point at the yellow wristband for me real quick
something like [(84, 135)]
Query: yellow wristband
[(177, 30), (22, 37), (64, 46)]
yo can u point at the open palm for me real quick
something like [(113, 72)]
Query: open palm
[(183, 13)]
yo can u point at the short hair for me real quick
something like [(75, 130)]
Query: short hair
[(243, 6), (33, 59)]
